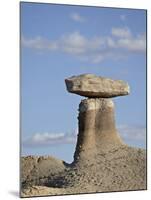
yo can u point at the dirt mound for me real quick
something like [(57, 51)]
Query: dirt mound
[(36, 170), (118, 170)]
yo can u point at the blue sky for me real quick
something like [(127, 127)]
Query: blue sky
[(58, 41)]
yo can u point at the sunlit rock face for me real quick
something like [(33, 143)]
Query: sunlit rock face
[(90, 85), (97, 129)]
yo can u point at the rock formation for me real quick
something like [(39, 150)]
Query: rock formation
[(100, 151), (89, 85), (97, 129), (38, 170), (102, 162)]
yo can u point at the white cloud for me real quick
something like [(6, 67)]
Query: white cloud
[(137, 44), (130, 134), (133, 133), (40, 139), (124, 40), (39, 43), (74, 43), (77, 17), (93, 49), (121, 32), (77, 44)]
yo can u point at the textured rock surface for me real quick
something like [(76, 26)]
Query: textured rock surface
[(97, 130), (102, 162), (38, 169), (89, 85), (121, 169)]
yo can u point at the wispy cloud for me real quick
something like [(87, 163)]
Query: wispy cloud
[(77, 17), (132, 134), (123, 39), (93, 49), (135, 134), (123, 32), (42, 139), (39, 43)]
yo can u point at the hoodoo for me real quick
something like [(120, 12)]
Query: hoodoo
[(102, 162), (97, 129)]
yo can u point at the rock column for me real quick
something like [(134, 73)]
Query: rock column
[(97, 132)]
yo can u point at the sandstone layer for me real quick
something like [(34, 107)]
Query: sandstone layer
[(90, 85)]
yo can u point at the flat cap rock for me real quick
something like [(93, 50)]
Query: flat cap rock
[(93, 86)]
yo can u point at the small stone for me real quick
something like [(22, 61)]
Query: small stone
[(93, 86)]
